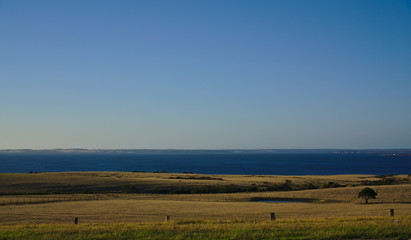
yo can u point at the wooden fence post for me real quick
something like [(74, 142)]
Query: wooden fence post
[(391, 212), (272, 217), (75, 220), (167, 218)]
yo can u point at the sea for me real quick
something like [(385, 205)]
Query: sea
[(210, 163)]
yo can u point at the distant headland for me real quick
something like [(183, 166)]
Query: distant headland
[(402, 152)]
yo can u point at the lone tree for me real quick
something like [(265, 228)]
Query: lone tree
[(367, 193)]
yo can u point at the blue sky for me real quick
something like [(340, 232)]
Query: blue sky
[(205, 74)]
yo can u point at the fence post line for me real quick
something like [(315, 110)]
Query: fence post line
[(272, 217), (391, 212)]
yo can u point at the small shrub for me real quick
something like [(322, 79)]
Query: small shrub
[(129, 189), (54, 192), (331, 185), (252, 188), (310, 186)]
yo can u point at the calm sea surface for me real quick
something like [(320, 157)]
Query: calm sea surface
[(272, 163)]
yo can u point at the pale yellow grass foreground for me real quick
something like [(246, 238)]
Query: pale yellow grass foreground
[(113, 207), (155, 210)]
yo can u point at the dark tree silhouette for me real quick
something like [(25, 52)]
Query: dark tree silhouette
[(367, 193)]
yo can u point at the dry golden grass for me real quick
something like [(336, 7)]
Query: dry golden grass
[(12, 183), (117, 207), (109, 211)]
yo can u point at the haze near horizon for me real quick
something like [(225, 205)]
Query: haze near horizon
[(205, 74)]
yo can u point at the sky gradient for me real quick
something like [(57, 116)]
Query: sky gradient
[(205, 74)]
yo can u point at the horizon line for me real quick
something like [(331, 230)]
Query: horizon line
[(195, 149)]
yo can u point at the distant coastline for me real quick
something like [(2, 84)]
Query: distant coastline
[(400, 152)]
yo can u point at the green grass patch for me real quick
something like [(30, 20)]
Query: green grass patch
[(347, 228)]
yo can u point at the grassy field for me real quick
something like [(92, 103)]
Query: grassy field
[(339, 228), (115, 182), (43, 206)]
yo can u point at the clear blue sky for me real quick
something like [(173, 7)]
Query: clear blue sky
[(205, 74)]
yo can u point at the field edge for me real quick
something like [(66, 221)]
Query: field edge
[(321, 228)]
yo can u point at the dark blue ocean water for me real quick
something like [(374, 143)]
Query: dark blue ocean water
[(254, 164)]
